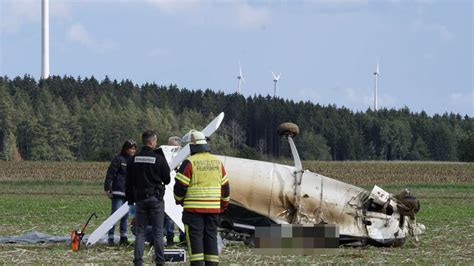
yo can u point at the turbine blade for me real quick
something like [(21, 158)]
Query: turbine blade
[(240, 69), (273, 74), (377, 70)]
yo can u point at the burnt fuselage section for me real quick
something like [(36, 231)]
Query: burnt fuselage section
[(268, 190)]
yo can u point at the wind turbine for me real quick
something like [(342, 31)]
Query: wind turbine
[(44, 39), (376, 75), (275, 80), (240, 78)]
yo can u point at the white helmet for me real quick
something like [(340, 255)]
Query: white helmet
[(197, 137)]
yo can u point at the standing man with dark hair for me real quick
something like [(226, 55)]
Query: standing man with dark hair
[(202, 188), (147, 175), (114, 186)]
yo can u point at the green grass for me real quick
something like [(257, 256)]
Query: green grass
[(68, 187), (57, 206)]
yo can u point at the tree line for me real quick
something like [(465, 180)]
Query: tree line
[(67, 118)]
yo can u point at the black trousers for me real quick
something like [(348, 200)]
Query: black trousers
[(149, 210), (201, 235)]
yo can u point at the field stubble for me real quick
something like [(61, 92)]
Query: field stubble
[(55, 198), (356, 173)]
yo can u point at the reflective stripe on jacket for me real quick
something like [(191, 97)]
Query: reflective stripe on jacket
[(202, 184)]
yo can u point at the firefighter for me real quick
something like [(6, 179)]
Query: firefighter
[(114, 187), (202, 188), (147, 175)]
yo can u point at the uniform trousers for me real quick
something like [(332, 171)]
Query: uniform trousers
[(201, 236)]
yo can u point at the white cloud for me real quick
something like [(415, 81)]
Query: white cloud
[(386, 101), (78, 33), (460, 97), (339, 2), (444, 33), (16, 14), (27, 9), (420, 2), (332, 6), (352, 95), (462, 100), (353, 98), (234, 14), (362, 97), (455, 96), (60, 9), (252, 17), (425, 1), (313, 95), (441, 30), (157, 52), (172, 6)]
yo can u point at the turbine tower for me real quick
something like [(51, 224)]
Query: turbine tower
[(376, 75), (240, 78), (275, 80), (45, 39)]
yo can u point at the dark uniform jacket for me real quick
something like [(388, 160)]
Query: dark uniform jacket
[(116, 175), (147, 175)]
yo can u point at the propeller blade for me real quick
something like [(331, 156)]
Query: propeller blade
[(208, 130)]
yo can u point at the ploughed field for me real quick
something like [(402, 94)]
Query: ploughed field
[(56, 197)]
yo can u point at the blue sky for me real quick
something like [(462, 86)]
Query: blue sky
[(326, 50)]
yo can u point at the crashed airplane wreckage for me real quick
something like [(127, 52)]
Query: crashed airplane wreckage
[(264, 193)]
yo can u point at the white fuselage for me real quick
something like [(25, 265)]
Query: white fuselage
[(269, 189)]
